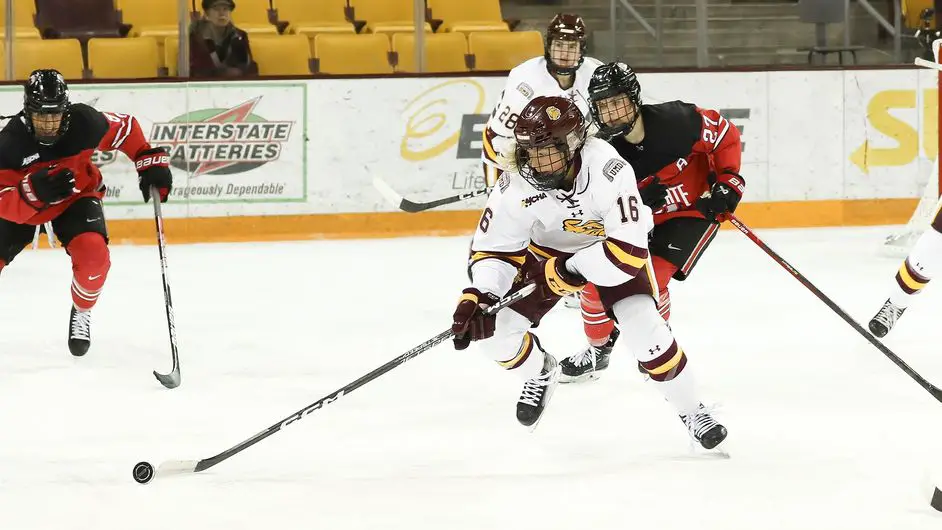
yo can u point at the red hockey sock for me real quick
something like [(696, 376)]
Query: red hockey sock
[(596, 322), (663, 272), (90, 263)]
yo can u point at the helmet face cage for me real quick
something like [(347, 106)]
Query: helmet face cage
[(609, 82), (46, 93), (565, 40), (545, 165)]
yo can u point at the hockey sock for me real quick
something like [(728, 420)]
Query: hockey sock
[(90, 264), (649, 337), (922, 264), (513, 347), (595, 321)]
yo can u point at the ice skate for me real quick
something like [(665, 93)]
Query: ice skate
[(586, 365), (80, 332), (885, 319), (537, 393)]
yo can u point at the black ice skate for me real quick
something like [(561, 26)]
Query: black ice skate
[(885, 319), (585, 365), (537, 393), (704, 429), (80, 332)]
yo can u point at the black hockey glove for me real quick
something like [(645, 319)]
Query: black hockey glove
[(469, 321), (47, 186), (653, 193), (153, 169), (725, 193)]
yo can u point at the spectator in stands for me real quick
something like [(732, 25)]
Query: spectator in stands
[(217, 47)]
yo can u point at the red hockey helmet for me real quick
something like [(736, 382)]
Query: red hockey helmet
[(565, 44), (549, 133)]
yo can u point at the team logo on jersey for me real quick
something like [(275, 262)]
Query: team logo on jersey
[(222, 141), (589, 228), (553, 113), (529, 201), (612, 167)]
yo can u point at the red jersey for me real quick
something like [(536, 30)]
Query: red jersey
[(683, 144), (88, 130)]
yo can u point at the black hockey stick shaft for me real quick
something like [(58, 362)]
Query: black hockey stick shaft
[(415, 207), (932, 389), (171, 380), (178, 467)]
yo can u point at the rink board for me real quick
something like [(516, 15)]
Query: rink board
[(296, 159)]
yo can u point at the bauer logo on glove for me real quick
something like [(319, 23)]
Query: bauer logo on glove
[(153, 170)]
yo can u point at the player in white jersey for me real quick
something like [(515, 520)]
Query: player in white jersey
[(563, 71), (569, 212), (922, 264)]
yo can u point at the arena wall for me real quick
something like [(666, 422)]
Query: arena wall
[(297, 159)]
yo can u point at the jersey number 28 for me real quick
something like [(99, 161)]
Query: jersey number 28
[(509, 119)]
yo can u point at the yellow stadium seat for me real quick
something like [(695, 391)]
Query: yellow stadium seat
[(466, 16), (150, 18), (170, 55), (123, 58), (911, 11), (496, 50), (251, 16), (64, 55), (444, 52), (24, 26), (282, 55), (311, 18), (387, 16), (352, 54)]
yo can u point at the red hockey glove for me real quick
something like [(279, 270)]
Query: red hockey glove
[(47, 186), (552, 278), (153, 169), (469, 321), (653, 192), (725, 193)]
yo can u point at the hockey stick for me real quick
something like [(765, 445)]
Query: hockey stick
[(177, 467), (928, 64), (932, 389), (171, 380), (414, 207)]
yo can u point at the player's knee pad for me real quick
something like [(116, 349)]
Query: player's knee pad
[(649, 338), (89, 253)]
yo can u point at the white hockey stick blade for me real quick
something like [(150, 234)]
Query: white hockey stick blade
[(928, 64), (387, 191), (176, 467)]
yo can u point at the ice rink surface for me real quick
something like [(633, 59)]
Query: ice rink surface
[(825, 433)]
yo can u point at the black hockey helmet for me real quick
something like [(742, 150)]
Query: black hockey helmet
[(46, 93), (565, 27), (610, 80)]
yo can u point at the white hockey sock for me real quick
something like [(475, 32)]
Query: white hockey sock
[(649, 338), (921, 265), (514, 347)]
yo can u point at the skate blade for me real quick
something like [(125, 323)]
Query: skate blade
[(550, 389), (584, 378)]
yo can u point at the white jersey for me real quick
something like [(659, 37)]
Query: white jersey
[(601, 223), (526, 81)]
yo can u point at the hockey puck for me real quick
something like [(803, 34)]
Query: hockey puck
[(936, 501), (143, 472)]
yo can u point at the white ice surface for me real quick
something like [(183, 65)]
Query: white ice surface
[(825, 433)]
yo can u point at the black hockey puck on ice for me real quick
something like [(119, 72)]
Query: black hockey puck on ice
[(936, 501), (143, 472)]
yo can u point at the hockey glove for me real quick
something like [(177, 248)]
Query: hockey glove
[(469, 322), (153, 169), (653, 193), (725, 193), (47, 186), (553, 279)]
